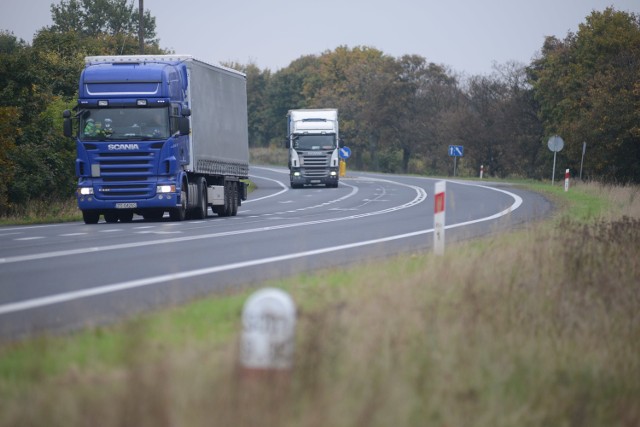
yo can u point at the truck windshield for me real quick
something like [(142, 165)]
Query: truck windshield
[(314, 142), (124, 124)]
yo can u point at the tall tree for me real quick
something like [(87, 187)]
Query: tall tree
[(91, 18), (588, 89), (354, 81), (8, 131), (285, 92), (426, 91), (257, 83)]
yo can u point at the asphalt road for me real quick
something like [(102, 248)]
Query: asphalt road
[(62, 277)]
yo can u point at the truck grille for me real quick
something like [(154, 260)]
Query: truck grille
[(136, 169), (315, 164), (315, 159)]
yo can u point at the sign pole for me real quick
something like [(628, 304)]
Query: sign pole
[(344, 153), (584, 150), (553, 174), (456, 151), (439, 218)]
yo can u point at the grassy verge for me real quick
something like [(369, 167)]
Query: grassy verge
[(43, 212), (531, 328)]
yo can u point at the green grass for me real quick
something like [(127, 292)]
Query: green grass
[(582, 202), (43, 212), (531, 328), (45, 356)]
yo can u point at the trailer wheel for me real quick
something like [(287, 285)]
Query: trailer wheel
[(179, 214), (200, 212), (90, 217), (111, 217)]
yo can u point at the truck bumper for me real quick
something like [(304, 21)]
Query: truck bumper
[(302, 177), (160, 201)]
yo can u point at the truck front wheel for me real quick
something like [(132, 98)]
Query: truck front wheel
[(153, 215), (125, 216), (90, 217), (111, 217), (180, 213), (200, 212)]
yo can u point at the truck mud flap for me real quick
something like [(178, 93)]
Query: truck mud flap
[(243, 191)]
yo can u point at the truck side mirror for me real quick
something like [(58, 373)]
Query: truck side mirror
[(67, 128), (186, 112), (340, 143), (286, 143), (183, 125)]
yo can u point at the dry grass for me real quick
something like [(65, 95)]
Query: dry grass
[(42, 212), (537, 328), (272, 155)]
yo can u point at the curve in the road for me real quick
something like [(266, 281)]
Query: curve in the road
[(68, 296)]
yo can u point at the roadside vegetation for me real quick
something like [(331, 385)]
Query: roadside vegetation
[(534, 327), (43, 212)]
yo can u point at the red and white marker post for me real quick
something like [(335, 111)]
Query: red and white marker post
[(566, 180), (481, 171), (438, 218)]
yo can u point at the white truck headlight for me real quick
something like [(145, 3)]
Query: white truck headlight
[(166, 189)]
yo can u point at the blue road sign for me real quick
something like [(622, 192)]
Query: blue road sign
[(456, 150), (344, 153)]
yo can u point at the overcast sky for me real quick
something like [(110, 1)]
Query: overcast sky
[(468, 36)]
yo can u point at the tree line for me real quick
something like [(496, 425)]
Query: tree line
[(396, 114)]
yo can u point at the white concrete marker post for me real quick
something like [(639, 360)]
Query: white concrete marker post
[(481, 171), (268, 331), (439, 218), (566, 180)]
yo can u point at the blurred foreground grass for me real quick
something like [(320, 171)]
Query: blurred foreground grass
[(537, 327)]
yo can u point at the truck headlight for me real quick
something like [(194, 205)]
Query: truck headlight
[(166, 189), (296, 174), (85, 191)]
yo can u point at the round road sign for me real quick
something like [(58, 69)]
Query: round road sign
[(344, 153), (555, 143)]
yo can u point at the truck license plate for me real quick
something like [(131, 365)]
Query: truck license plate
[(315, 181), (126, 205)]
